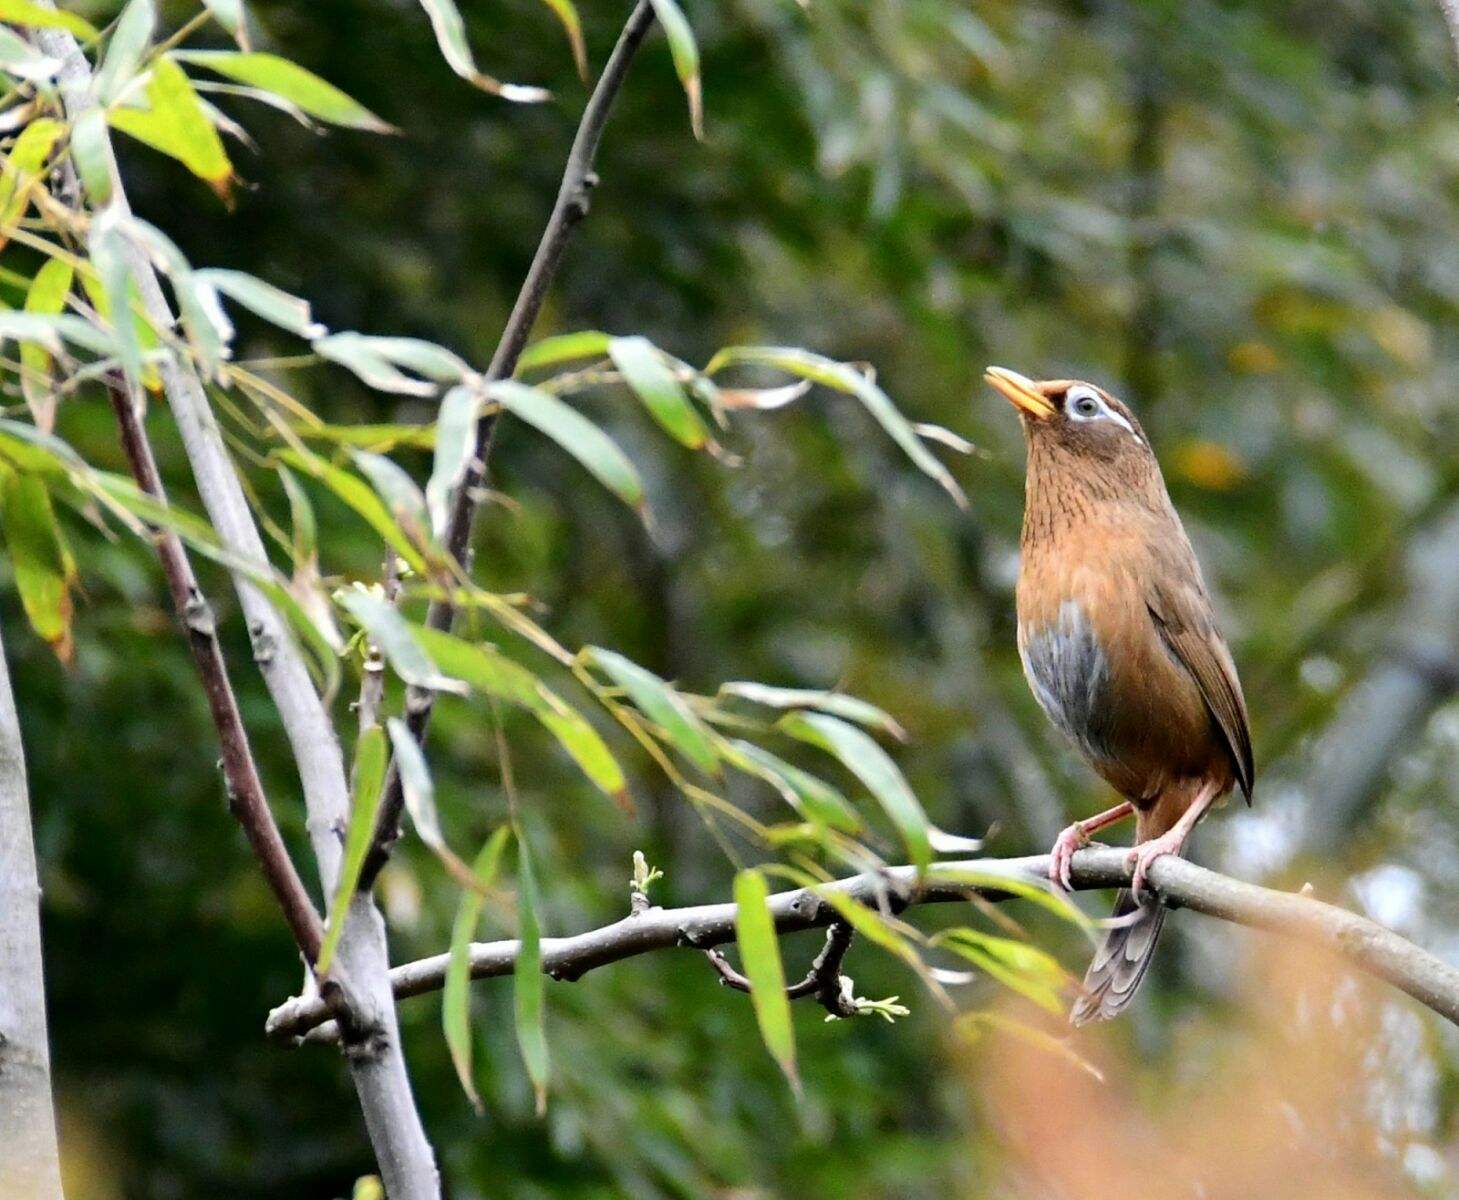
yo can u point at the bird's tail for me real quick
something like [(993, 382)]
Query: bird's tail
[(1121, 961)]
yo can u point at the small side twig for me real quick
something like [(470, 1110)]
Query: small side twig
[(823, 980), (571, 206)]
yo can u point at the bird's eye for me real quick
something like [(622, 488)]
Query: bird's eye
[(1084, 405)]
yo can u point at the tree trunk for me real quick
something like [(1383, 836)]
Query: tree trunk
[(30, 1166)]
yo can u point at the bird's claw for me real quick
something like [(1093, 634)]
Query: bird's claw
[(1141, 858), (1061, 856)]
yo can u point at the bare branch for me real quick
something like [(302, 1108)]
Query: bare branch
[(31, 1164), (573, 198), (823, 980), (245, 790), (1356, 940)]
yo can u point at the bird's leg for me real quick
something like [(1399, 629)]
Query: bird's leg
[(1076, 837), (1172, 841)]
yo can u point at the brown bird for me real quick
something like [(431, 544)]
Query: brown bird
[(1121, 649)]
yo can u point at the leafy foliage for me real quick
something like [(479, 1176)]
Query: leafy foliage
[(911, 186)]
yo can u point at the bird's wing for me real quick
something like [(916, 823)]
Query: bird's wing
[(1182, 614)]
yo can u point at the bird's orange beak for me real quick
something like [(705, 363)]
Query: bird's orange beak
[(1020, 391)]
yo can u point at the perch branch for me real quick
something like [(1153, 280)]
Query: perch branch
[(1362, 943), (573, 198)]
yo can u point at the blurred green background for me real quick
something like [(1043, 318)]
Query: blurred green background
[(1239, 216)]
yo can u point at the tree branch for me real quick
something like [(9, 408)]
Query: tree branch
[(377, 1064), (30, 1165), (246, 797), (823, 980), (1356, 940), (573, 198)]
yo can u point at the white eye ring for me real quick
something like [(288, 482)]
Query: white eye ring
[(1084, 404)]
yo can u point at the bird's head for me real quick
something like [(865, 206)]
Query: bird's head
[(1076, 422)]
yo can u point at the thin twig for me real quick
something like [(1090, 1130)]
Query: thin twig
[(1356, 940), (240, 773), (573, 199), (823, 980)]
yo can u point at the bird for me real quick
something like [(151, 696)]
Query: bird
[(1120, 647)]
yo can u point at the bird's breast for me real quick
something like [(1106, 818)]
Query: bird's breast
[(1068, 671), (1098, 666)]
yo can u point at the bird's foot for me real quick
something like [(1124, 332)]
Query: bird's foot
[(1062, 855), (1142, 856)]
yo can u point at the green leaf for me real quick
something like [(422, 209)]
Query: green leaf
[(662, 705), (450, 32), (90, 154), (301, 521), (395, 637), (423, 357), (566, 13), (760, 959), (365, 356), (563, 347), (263, 299), (49, 330), (47, 296), (130, 39), (369, 776), (394, 485), (23, 168), (356, 493), (26, 12), (109, 255), (456, 992), (842, 377), (34, 452), (290, 82), (575, 434), (1040, 894), (870, 764), (43, 571), (230, 15), (455, 443), (176, 124), (685, 53), (209, 331), (418, 788), (110, 274), (871, 925), (22, 60), (529, 986), (1025, 969), (836, 703), (814, 799), (653, 382), (486, 670), (368, 1187), (379, 438)]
